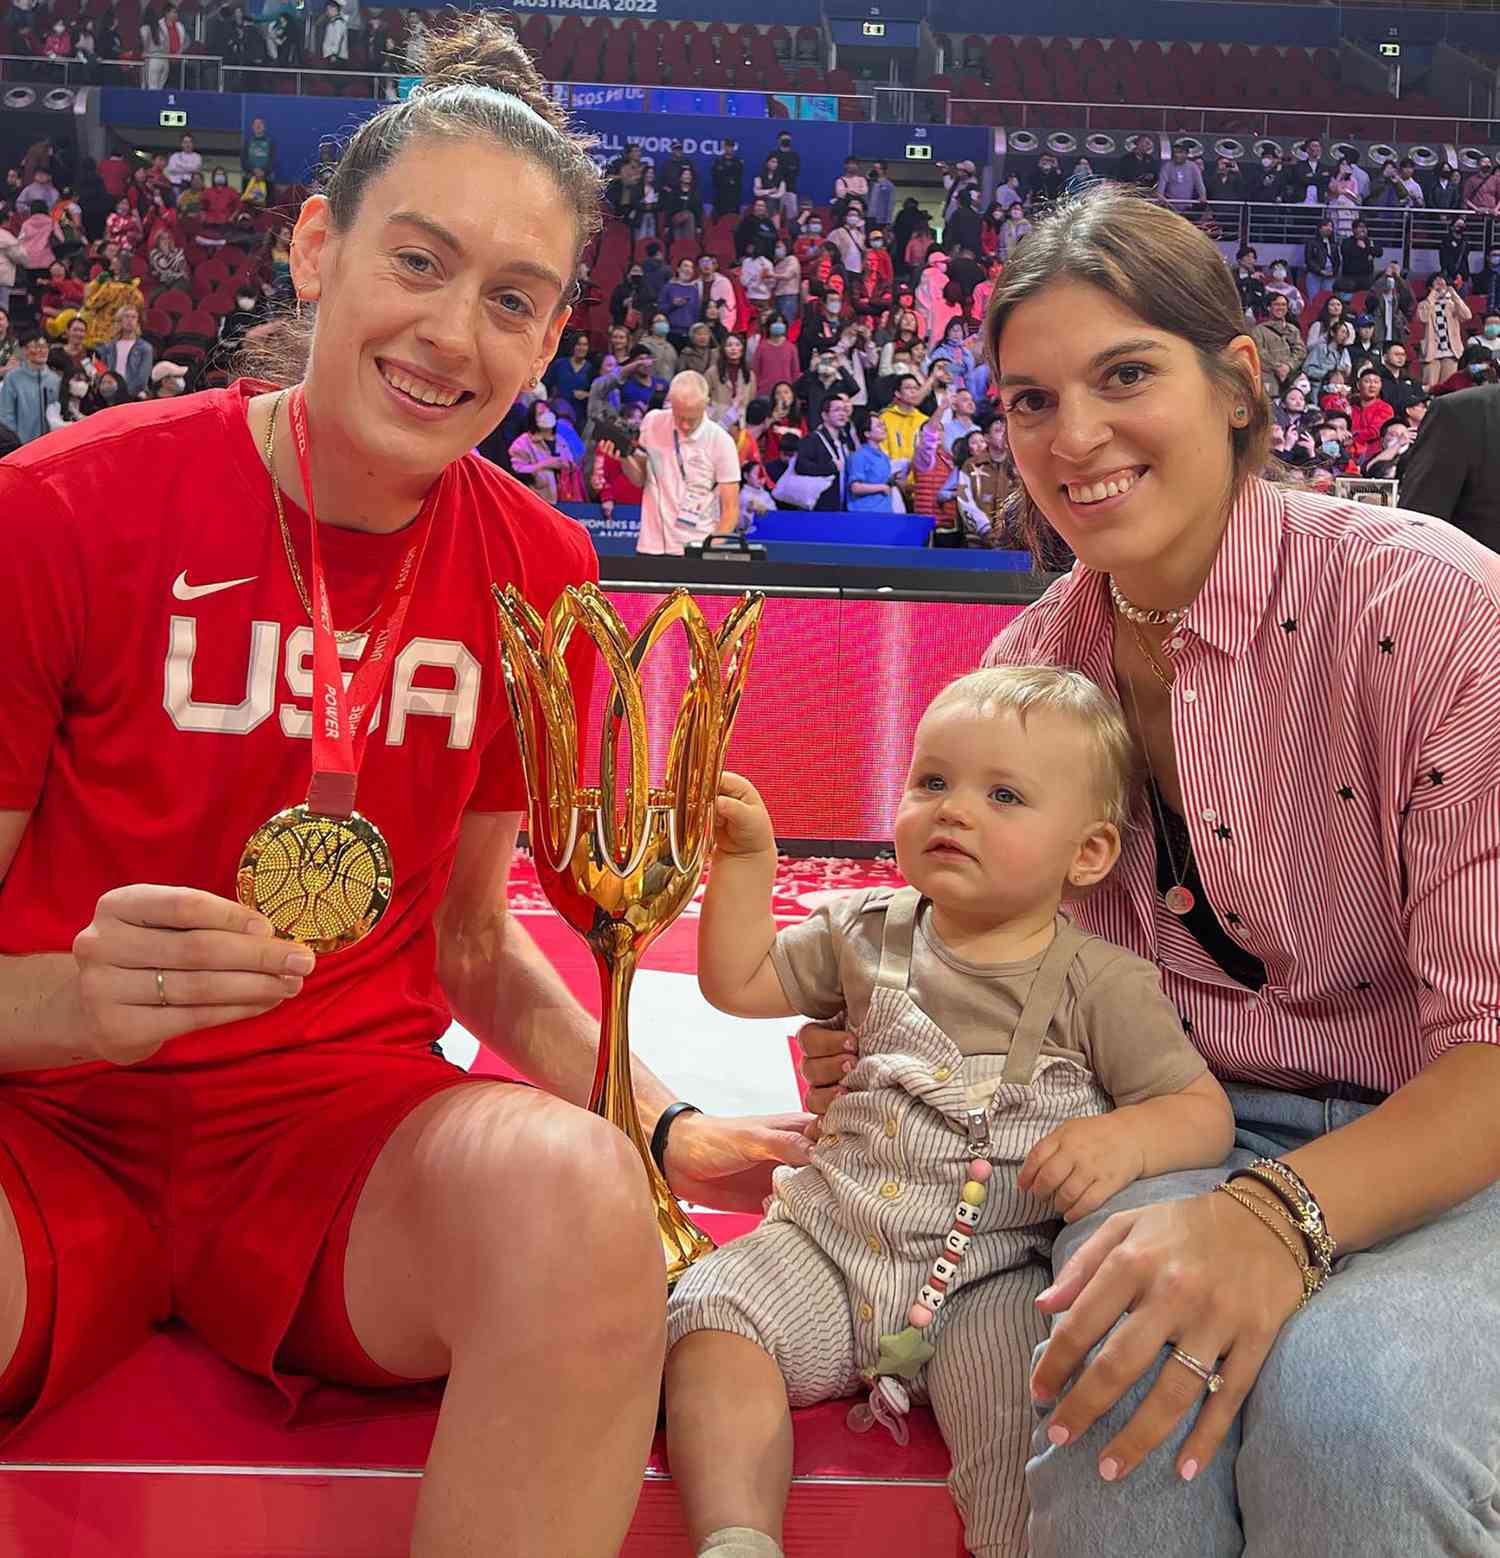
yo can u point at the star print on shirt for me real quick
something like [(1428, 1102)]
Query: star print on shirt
[(1364, 984), (1387, 645), (1344, 793), (1290, 625), (1435, 776), (1232, 918), (1221, 832)]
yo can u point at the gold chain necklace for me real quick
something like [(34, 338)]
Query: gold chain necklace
[(1179, 897), (342, 635)]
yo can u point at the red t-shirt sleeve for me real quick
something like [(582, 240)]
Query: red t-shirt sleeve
[(41, 630), (501, 785)]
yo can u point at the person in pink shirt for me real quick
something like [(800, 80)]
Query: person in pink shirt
[(775, 359), (1279, 1355), (36, 238)]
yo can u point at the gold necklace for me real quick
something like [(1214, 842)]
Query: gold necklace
[(342, 635), (1179, 897), (1145, 649)]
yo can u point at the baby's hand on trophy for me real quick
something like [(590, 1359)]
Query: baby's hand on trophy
[(156, 962), (742, 825), (1081, 1164)]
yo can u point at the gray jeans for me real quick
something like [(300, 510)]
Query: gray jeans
[(1374, 1428)]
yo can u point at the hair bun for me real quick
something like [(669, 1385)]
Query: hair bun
[(481, 49)]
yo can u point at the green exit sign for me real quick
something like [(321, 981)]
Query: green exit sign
[(873, 29), (917, 152), (1391, 51), (174, 119)]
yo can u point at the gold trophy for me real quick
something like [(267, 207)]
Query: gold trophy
[(619, 860)]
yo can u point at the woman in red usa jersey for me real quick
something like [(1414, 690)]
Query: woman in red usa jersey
[(289, 606)]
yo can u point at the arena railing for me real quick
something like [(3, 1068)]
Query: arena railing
[(1240, 123), (1399, 233)]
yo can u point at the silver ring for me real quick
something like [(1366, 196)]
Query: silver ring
[(161, 989), (1210, 1377)]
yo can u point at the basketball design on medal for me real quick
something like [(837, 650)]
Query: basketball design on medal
[(323, 881)]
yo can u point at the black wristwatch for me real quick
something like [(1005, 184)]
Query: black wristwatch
[(664, 1127)]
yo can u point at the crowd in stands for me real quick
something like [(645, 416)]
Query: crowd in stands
[(129, 42), (136, 279), (838, 329)]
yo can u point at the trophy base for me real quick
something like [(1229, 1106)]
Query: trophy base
[(682, 1242)]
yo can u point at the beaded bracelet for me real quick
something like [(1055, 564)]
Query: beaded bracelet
[(1288, 1186), (1312, 1276)]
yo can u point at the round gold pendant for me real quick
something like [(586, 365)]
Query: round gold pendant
[(1179, 900), (323, 881)]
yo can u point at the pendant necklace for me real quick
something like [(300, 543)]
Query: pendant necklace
[(1178, 898)]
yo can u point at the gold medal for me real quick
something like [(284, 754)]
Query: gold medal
[(323, 881)]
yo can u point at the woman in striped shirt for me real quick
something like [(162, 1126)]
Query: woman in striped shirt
[(1315, 869)]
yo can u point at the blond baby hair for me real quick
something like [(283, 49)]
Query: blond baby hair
[(1023, 688)]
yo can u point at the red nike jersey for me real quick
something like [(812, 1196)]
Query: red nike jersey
[(159, 679)]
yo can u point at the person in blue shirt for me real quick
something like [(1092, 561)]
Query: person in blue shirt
[(869, 473), (26, 392), (568, 378)]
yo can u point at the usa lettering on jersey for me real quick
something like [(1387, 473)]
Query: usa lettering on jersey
[(458, 703)]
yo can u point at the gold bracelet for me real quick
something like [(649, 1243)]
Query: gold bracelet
[(1307, 1216), (1312, 1277)]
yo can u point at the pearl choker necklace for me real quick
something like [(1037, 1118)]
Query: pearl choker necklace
[(1136, 614)]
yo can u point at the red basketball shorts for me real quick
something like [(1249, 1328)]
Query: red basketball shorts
[(208, 1194)]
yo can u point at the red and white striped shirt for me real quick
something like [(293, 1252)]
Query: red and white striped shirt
[(1336, 721)]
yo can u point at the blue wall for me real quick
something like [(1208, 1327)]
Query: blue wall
[(298, 126)]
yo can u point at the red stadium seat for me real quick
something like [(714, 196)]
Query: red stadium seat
[(172, 301)]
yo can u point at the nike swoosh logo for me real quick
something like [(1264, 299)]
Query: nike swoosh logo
[(185, 591)]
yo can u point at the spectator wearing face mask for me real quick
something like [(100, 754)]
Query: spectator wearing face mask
[(822, 321), (849, 240), (1263, 183), (809, 243), (1476, 366), (1281, 285), (1443, 314), (1475, 179), (540, 461), (786, 283), (775, 359), (1484, 289), (220, 202), (1330, 353), (107, 390), (1453, 253), (658, 345), (1489, 335), (70, 404), (879, 279)]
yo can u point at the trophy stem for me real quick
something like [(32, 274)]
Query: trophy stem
[(613, 1097)]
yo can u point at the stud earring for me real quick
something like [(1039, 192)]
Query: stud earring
[(1241, 416)]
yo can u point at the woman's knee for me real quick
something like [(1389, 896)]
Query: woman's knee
[(12, 1296)]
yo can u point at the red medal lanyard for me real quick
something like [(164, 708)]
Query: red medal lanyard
[(340, 716)]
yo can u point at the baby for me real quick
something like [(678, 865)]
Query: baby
[(1011, 1070)]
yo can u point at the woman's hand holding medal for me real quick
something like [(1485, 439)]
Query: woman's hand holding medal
[(156, 962)]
